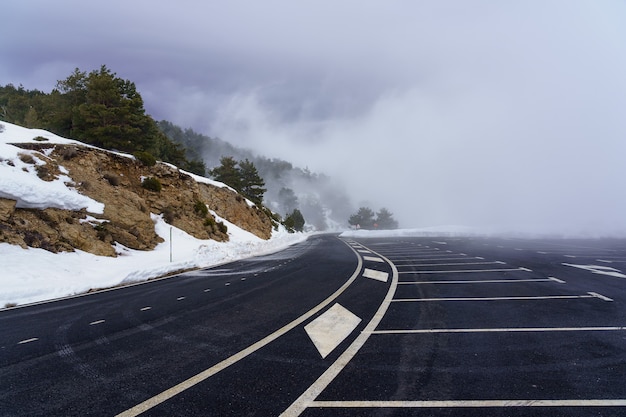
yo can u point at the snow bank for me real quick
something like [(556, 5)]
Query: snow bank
[(31, 275), (421, 232)]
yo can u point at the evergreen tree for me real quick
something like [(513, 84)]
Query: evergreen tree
[(227, 172), (295, 221), (385, 219), (363, 219), (287, 199), (252, 185)]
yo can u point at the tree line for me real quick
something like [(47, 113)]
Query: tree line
[(365, 218), (98, 108)]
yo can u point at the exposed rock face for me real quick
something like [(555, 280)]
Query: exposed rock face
[(116, 181)]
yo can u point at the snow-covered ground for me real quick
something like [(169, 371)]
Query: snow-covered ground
[(30, 275)]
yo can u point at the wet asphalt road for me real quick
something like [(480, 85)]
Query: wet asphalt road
[(333, 327)]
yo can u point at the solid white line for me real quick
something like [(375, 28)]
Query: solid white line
[(305, 400), (484, 281), (196, 379), (400, 261), (34, 339), (94, 323), (470, 403), (541, 297), (504, 330), (465, 271), (458, 263)]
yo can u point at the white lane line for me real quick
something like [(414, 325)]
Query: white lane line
[(569, 256), (470, 403), (505, 330), (560, 281), (33, 339), (145, 308), (539, 297), (377, 275), (180, 298), (458, 263), (600, 296), (95, 323), (373, 259), (400, 261), (305, 400), (440, 243), (466, 271), (227, 284), (484, 281), (363, 251), (331, 328), (207, 373), (207, 290)]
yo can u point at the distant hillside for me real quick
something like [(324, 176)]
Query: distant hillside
[(322, 200)]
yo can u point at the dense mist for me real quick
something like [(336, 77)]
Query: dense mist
[(496, 115)]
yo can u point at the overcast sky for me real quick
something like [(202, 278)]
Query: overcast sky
[(480, 113)]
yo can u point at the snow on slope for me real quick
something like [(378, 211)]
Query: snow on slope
[(31, 275)]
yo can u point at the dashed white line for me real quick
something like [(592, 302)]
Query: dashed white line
[(145, 308), (372, 259), (180, 298), (33, 339), (377, 275), (207, 290), (94, 323)]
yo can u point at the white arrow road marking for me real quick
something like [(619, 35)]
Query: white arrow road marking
[(331, 328), (377, 275), (597, 269)]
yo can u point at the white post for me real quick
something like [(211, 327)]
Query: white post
[(170, 243)]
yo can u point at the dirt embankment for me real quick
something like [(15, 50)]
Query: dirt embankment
[(116, 181)]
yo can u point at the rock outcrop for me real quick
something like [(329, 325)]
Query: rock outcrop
[(116, 180)]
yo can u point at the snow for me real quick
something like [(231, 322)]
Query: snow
[(450, 231), (33, 275)]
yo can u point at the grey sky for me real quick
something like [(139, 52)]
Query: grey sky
[(487, 113)]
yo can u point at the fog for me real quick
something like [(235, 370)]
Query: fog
[(497, 115)]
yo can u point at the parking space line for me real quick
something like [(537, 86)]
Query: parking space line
[(466, 271), (538, 297), (470, 403), (484, 281), (505, 330), (461, 263)]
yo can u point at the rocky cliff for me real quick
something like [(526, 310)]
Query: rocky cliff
[(118, 181)]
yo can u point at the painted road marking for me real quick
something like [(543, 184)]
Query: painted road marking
[(331, 328), (377, 275), (459, 263), (560, 281), (209, 372), (145, 309), (94, 323), (207, 290), (484, 281), (539, 297), (466, 271), (372, 259), (180, 298), (505, 330), (34, 339), (469, 403), (597, 269), (306, 399), (363, 251)]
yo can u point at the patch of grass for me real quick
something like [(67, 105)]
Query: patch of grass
[(27, 158), (68, 153), (152, 184), (222, 227), (200, 208), (145, 158), (40, 139)]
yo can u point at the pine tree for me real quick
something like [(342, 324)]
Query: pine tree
[(252, 185), (385, 219), (364, 218), (227, 172)]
